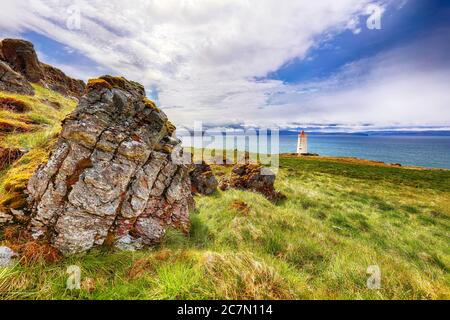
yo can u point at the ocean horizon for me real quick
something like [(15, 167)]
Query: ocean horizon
[(429, 151)]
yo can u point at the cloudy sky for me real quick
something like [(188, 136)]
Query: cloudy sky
[(299, 63)]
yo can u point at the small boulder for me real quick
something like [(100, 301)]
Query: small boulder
[(203, 180), (255, 178)]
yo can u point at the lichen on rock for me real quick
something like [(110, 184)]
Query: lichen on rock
[(107, 181)]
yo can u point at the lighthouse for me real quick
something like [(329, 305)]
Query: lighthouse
[(302, 145)]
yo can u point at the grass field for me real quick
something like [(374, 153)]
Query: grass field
[(339, 218)]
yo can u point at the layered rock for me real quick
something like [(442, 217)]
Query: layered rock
[(203, 180), (21, 57), (115, 175)]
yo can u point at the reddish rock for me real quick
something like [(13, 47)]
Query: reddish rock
[(254, 178)]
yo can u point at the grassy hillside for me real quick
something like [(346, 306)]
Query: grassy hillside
[(339, 218), (33, 129)]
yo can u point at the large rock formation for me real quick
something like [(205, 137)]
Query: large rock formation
[(21, 57), (114, 177)]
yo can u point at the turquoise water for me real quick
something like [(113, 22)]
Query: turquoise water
[(424, 151)]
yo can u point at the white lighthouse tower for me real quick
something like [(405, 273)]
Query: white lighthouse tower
[(302, 145)]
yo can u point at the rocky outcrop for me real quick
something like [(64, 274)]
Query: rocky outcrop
[(252, 177), (115, 177), (12, 81), (21, 57), (203, 180)]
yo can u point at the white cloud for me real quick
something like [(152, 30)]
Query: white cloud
[(405, 87), (203, 57)]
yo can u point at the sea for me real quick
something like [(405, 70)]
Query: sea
[(408, 150)]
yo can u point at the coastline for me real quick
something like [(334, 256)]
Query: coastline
[(355, 160)]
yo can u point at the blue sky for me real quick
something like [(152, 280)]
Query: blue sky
[(400, 25), (258, 63)]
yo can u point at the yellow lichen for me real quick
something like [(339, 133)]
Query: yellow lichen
[(167, 149), (115, 82), (170, 127), (150, 104), (97, 84)]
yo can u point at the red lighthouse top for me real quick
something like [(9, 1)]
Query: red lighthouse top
[(302, 133)]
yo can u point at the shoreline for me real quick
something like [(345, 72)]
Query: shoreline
[(355, 160)]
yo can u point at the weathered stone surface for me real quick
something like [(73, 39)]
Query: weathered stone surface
[(203, 180), (21, 56), (12, 81), (252, 177), (110, 179)]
